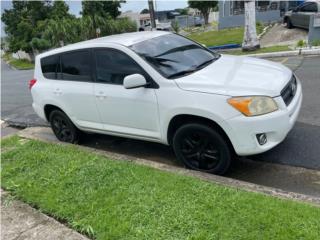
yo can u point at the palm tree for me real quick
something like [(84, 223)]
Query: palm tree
[(250, 39)]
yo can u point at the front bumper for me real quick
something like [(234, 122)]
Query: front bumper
[(275, 125)]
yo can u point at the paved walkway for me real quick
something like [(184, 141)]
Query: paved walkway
[(279, 35)]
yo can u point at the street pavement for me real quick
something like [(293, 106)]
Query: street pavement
[(15, 97), (301, 148)]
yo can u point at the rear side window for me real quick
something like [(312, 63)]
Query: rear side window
[(76, 66), (113, 66), (50, 66)]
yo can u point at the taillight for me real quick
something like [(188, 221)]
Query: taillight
[(32, 82)]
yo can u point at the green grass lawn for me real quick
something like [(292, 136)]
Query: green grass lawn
[(221, 37), (261, 50), (109, 199), (21, 64)]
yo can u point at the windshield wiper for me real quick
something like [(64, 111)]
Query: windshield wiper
[(182, 73), (205, 63)]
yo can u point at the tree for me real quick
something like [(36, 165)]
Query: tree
[(101, 8), (144, 11), (182, 11), (60, 10), (22, 23), (250, 39), (204, 7)]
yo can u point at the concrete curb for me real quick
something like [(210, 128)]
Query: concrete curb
[(302, 52), (229, 182)]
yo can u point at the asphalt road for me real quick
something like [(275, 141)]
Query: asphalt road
[(301, 147)]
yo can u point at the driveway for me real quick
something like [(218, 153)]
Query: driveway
[(301, 147)]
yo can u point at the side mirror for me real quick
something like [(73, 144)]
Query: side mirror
[(134, 81)]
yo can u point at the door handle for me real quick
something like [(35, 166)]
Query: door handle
[(101, 95)]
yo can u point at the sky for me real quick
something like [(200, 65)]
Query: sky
[(130, 5)]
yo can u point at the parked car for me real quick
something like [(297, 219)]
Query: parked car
[(300, 16), (161, 87)]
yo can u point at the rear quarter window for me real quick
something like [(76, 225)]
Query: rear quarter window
[(50, 66)]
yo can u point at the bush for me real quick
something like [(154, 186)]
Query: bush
[(316, 42), (259, 27), (301, 43), (40, 44), (175, 26)]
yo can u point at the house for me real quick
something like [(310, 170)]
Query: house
[(231, 13), (140, 19)]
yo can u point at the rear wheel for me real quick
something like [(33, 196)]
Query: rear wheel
[(202, 148), (63, 128)]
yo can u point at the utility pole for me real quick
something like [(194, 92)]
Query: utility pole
[(152, 14)]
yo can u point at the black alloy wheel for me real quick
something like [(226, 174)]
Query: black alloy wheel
[(202, 148), (63, 128)]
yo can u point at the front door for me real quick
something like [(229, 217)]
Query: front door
[(124, 111)]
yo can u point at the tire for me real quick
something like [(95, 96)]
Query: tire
[(288, 23), (202, 148), (63, 128)]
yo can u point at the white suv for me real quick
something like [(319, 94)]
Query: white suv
[(162, 87)]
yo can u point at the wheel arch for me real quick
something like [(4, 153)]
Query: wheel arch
[(182, 119), (48, 108)]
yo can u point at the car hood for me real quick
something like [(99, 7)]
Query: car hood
[(238, 76)]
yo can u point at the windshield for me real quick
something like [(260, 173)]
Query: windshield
[(173, 55)]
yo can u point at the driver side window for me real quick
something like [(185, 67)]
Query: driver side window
[(112, 66)]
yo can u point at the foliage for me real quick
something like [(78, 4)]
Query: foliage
[(39, 25), (66, 31), (175, 26), (259, 27), (21, 64), (27, 20), (40, 44), (60, 10), (109, 199), (204, 7), (301, 43), (182, 11), (101, 8), (316, 42), (144, 11)]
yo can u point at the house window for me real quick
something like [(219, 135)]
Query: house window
[(237, 7)]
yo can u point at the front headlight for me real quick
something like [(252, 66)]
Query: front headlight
[(253, 106)]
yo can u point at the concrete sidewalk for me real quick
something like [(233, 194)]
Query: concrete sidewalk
[(20, 221)]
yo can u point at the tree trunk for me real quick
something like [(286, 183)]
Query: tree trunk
[(206, 17), (250, 39)]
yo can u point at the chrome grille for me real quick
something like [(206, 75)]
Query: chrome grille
[(289, 91)]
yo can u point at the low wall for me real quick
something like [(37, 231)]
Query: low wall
[(314, 29)]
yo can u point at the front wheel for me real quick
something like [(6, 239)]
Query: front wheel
[(63, 128), (202, 148)]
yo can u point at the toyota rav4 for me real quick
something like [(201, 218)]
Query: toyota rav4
[(161, 87)]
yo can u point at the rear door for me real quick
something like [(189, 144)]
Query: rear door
[(124, 111), (73, 89)]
